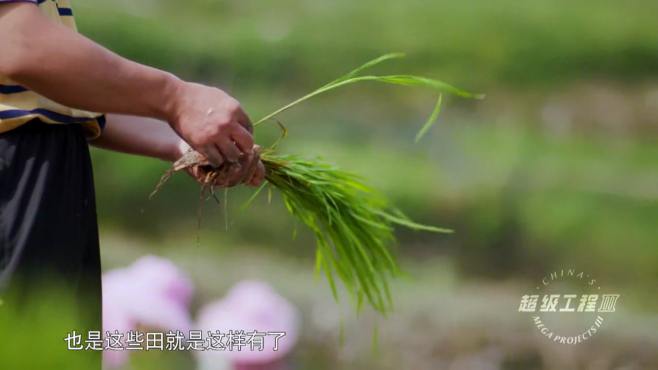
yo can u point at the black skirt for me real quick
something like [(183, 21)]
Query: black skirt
[(48, 226)]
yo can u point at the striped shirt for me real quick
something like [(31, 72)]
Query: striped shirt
[(18, 105)]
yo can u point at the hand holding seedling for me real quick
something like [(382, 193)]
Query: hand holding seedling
[(352, 222), (248, 170), (211, 121), (214, 124)]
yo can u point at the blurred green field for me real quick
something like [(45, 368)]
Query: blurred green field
[(519, 202), (523, 189), (556, 168), (290, 43)]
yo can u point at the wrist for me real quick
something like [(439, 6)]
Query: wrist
[(167, 106)]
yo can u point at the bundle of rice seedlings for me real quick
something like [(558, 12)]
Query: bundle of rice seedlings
[(353, 224)]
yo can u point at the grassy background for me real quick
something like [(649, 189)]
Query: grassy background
[(555, 169)]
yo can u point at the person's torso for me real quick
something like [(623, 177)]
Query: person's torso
[(19, 105)]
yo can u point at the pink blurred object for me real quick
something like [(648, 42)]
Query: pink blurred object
[(151, 293), (249, 306)]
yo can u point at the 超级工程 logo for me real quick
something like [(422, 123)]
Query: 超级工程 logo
[(568, 306)]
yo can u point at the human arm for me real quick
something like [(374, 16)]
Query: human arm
[(153, 138), (143, 136), (66, 67)]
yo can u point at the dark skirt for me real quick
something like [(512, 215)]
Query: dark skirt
[(48, 226)]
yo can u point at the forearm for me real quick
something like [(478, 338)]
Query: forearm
[(142, 136), (153, 138), (66, 67), (72, 70)]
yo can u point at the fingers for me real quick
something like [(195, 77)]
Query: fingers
[(214, 156), (230, 166), (234, 174), (243, 119), (230, 150), (205, 116), (251, 165), (238, 172), (243, 139), (235, 132), (247, 170), (258, 176)]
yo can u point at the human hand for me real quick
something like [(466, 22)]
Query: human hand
[(248, 170), (212, 122)]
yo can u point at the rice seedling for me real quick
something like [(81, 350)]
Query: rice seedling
[(353, 224)]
